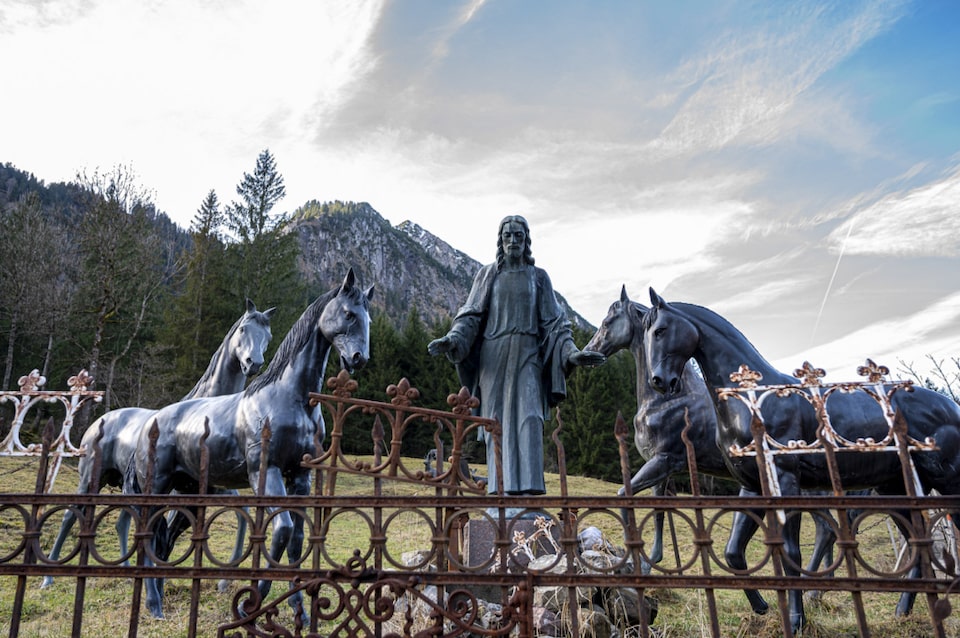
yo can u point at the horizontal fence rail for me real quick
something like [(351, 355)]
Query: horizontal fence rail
[(393, 548)]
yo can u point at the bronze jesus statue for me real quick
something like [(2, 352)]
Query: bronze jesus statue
[(513, 348)]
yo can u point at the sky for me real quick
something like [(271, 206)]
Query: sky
[(793, 166)]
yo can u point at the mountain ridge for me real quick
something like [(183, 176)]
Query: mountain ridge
[(411, 266)]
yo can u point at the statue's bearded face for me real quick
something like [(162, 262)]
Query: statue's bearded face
[(513, 239)]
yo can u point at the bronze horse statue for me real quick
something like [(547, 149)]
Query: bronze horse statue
[(279, 396), (675, 332), (660, 419), (239, 357)]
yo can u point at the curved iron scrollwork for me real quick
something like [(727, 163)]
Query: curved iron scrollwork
[(351, 600)]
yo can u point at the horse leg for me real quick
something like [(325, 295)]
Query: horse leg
[(223, 585), (791, 548), (905, 604), (282, 522), (69, 518), (153, 588), (653, 474), (823, 544), (656, 552), (300, 487), (123, 531), (735, 553)]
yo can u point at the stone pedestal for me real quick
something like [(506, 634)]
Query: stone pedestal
[(526, 535)]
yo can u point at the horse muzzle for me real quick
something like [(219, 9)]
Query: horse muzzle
[(355, 362), (666, 385), (250, 367)]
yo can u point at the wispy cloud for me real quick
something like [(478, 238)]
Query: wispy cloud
[(775, 61), (442, 47), (908, 338), (921, 221)]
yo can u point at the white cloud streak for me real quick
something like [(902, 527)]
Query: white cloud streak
[(922, 221)]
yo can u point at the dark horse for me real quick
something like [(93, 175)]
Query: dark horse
[(239, 357), (660, 420), (675, 332), (280, 395)]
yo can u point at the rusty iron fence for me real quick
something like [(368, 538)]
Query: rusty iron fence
[(393, 548), (31, 394)]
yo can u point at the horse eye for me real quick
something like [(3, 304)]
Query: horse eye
[(242, 329), (658, 332), (350, 315)]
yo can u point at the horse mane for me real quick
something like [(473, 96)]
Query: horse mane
[(257, 316), (716, 323), (299, 333)]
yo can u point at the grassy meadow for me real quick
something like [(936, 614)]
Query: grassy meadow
[(682, 613)]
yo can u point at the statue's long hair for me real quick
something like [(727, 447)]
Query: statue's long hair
[(527, 254)]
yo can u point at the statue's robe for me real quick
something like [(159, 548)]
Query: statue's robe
[(511, 343)]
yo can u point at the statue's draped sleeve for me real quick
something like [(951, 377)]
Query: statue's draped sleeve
[(556, 343)]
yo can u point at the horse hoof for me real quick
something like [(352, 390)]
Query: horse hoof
[(798, 621), (223, 586), (761, 608), (46, 582), (813, 597)]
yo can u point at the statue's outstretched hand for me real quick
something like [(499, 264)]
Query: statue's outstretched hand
[(440, 346), (587, 358)]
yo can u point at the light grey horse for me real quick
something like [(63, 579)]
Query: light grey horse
[(239, 357), (279, 396)]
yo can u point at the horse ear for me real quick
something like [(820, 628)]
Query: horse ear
[(656, 300), (251, 307), (349, 280), (268, 313), (368, 293), (623, 294)]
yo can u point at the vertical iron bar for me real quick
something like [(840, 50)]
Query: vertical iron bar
[(199, 530), (32, 531), (848, 544), (86, 534), (702, 538), (632, 540)]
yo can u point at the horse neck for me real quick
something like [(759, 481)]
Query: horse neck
[(645, 391), (222, 376), (723, 349)]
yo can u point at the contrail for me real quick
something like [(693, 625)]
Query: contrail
[(836, 267)]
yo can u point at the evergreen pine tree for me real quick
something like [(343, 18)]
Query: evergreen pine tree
[(263, 257), (202, 312)]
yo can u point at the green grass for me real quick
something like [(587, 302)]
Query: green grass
[(682, 613)]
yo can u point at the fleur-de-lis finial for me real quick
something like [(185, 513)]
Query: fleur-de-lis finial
[(80, 381), (462, 402), (401, 393), (746, 377), (874, 373), (808, 375), (342, 385), (31, 382)]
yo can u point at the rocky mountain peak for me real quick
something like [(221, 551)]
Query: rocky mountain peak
[(411, 267)]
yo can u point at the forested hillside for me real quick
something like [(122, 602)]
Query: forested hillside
[(94, 276)]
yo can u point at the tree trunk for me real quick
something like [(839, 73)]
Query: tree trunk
[(11, 340)]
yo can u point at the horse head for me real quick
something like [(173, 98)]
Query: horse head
[(345, 322), (250, 339), (669, 340), (618, 328)]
